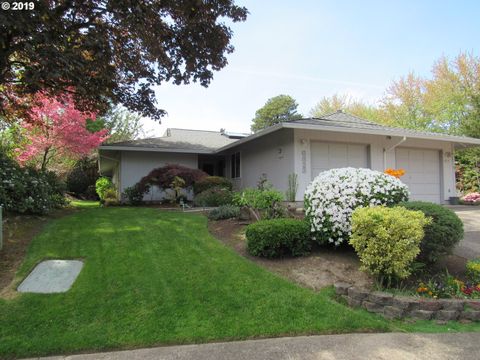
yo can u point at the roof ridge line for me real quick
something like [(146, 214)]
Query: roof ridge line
[(213, 131)]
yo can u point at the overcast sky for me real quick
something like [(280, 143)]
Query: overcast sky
[(311, 49)]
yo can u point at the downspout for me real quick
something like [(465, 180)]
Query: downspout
[(390, 149)]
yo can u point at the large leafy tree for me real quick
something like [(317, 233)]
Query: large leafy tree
[(276, 110), (104, 51)]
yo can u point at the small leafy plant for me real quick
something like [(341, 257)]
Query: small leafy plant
[(102, 185), (134, 195), (261, 203), (473, 271), (224, 212), (213, 197), (291, 192)]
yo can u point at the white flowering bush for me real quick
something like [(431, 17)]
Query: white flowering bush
[(333, 195)]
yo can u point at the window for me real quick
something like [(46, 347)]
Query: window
[(235, 163)]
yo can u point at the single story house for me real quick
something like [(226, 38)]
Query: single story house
[(305, 147)]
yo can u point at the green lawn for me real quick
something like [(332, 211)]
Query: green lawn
[(153, 277)]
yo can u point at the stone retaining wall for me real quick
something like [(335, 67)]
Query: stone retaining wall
[(399, 307)]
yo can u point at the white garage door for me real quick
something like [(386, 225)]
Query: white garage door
[(422, 172), (325, 156)]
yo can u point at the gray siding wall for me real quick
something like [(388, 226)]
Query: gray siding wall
[(136, 164), (272, 155)]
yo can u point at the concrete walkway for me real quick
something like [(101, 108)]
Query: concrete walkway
[(388, 346), (469, 247)]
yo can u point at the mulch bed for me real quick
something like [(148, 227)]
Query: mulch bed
[(323, 267)]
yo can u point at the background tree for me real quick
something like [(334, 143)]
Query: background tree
[(328, 105), (58, 129), (448, 101), (110, 51), (122, 125), (403, 104), (276, 110)]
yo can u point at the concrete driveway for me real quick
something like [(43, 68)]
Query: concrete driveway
[(469, 247), (390, 346)]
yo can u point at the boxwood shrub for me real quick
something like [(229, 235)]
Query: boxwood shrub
[(441, 236), (278, 237)]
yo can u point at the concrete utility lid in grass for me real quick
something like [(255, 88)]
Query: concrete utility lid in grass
[(52, 276)]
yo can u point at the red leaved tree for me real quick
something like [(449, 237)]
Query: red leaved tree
[(57, 129)]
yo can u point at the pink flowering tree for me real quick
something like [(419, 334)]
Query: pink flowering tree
[(57, 129)]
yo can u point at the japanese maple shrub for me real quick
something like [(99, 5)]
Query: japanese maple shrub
[(163, 177), (387, 240), (333, 195)]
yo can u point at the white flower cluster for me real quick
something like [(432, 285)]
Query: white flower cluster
[(333, 195)]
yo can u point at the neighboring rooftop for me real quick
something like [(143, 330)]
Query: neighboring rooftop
[(183, 139)]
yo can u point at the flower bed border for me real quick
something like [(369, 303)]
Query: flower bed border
[(401, 307)]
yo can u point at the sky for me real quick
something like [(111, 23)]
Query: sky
[(312, 49)]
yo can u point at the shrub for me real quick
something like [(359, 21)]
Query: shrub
[(473, 271), (209, 182), (265, 203), (110, 197), (473, 197), (213, 197), (164, 176), (224, 212), (333, 195), (134, 195), (291, 193), (442, 234), (278, 237), (82, 177), (27, 190), (102, 185), (387, 240)]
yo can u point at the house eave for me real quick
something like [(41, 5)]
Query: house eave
[(250, 137), (150, 149), (439, 137)]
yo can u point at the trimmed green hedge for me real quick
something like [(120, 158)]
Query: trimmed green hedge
[(278, 237), (441, 236)]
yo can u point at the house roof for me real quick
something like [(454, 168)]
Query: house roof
[(179, 140), (342, 122), (207, 142)]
